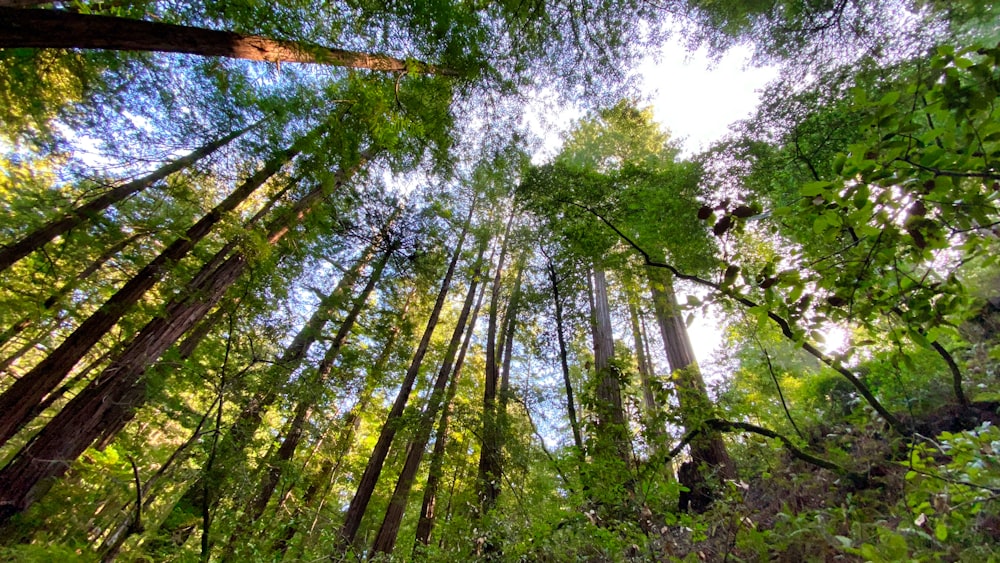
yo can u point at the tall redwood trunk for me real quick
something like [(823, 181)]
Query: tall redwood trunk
[(489, 454), (695, 405), (9, 254), (385, 540), (425, 524), (118, 389), (563, 359), (19, 400), (59, 29), (311, 389), (612, 434), (366, 485)]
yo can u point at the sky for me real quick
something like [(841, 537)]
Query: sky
[(697, 99)]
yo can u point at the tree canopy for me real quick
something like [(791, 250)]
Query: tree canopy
[(291, 282)]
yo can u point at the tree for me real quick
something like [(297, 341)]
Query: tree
[(20, 399), (117, 390), (13, 252), (56, 29), (367, 482)]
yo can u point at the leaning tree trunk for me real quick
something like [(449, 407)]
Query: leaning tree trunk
[(385, 540), (21, 397), (425, 524), (366, 485), (34, 240), (311, 387), (118, 389), (695, 405), (59, 29)]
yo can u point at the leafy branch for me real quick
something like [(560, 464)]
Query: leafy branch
[(783, 324)]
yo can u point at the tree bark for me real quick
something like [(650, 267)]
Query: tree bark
[(366, 485), (611, 428), (9, 254), (21, 397), (563, 358), (695, 405), (385, 540), (59, 29), (425, 524), (118, 389), (489, 461)]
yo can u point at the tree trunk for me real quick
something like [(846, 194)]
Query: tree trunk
[(344, 441), (59, 29), (366, 485), (118, 389), (63, 291), (489, 457), (563, 359), (19, 400), (9, 254), (311, 390), (385, 540), (425, 524), (695, 405), (611, 428)]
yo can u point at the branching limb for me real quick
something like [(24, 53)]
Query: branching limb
[(720, 425), (956, 373), (783, 324)]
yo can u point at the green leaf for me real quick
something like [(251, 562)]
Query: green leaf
[(813, 189), (941, 531)]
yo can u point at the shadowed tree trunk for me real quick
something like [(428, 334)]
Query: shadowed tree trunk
[(385, 540), (563, 360), (9, 254), (695, 405), (59, 29), (119, 388), (366, 485), (19, 400), (489, 456)]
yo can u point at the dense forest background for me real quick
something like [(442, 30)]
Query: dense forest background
[(285, 282)]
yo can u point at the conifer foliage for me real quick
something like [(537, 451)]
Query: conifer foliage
[(291, 282)]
